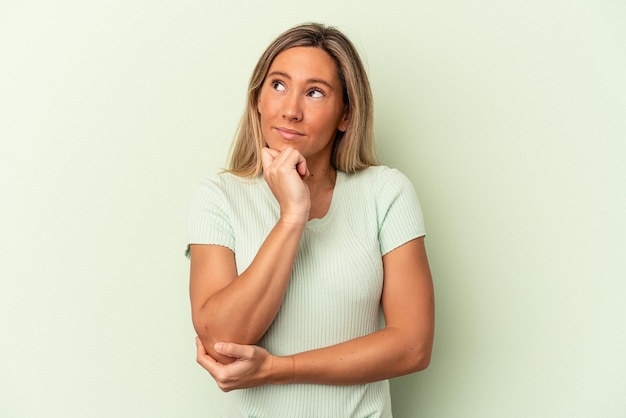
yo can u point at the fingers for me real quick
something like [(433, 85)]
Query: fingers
[(200, 347), (203, 358), (267, 157), (302, 168), (288, 157), (249, 368), (237, 351), (284, 173), (274, 153)]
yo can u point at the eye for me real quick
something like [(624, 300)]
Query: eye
[(316, 93), (278, 85)]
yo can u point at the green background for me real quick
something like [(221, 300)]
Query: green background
[(508, 116)]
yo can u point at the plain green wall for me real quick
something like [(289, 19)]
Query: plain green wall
[(509, 117)]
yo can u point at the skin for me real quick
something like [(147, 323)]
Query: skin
[(301, 108)]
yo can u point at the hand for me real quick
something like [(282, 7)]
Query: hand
[(252, 365), (285, 172)]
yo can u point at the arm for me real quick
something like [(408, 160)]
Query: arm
[(239, 308), (403, 346)]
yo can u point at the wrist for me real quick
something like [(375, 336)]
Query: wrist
[(293, 219), (283, 370)]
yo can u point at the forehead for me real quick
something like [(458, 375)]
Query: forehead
[(306, 63)]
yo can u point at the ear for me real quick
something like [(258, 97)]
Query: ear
[(343, 123)]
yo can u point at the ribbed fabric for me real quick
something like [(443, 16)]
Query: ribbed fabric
[(336, 282)]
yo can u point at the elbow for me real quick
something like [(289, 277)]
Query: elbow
[(216, 331), (207, 327), (422, 362), (208, 341), (211, 323), (414, 351), (201, 326), (204, 328), (203, 332), (418, 358)]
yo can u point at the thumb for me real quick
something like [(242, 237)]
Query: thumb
[(237, 351), (302, 168), (267, 156)]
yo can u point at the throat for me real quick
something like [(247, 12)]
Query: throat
[(320, 203), (322, 196)]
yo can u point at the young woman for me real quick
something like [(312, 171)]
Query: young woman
[(303, 246)]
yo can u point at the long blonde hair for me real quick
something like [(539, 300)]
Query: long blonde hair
[(352, 150)]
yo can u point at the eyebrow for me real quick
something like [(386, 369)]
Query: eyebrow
[(309, 81)]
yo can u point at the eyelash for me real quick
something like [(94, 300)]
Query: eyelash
[(316, 90), (274, 84)]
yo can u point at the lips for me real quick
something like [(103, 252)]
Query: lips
[(287, 133)]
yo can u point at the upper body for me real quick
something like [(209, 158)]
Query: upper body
[(310, 241), (336, 282)]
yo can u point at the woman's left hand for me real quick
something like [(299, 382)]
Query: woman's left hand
[(252, 366)]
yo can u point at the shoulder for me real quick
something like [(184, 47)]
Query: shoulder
[(381, 177), (223, 179), (225, 183)]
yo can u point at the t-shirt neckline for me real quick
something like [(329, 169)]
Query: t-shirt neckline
[(320, 222)]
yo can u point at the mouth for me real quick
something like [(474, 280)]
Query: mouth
[(287, 133)]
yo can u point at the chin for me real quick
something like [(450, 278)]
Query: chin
[(280, 147)]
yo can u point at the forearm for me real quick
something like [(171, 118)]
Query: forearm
[(243, 310), (382, 355), (403, 346)]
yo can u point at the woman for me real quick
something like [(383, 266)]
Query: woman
[(291, 269)]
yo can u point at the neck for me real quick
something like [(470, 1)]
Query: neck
[(321, 185), (322, 177)]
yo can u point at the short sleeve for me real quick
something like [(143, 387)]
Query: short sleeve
[(208, 217), (399, 212)]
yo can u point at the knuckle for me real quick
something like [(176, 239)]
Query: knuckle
[(284, 169), (224, 383), (267, 176)]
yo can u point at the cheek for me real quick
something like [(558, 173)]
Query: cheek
[(263, 103), (330, 121), (267, 108), (264, 111)]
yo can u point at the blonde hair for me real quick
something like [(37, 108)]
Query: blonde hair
[(353, 150)]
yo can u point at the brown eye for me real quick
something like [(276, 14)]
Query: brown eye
[(316, 93), (278, 85)]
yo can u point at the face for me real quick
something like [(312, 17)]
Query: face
[(301, 103)]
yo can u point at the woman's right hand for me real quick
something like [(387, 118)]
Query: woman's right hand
[(285, 172)]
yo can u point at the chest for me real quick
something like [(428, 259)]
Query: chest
[(320, 203)]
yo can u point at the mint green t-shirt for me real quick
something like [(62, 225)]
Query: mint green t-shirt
[(336, 282)]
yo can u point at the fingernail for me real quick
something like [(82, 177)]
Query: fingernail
[(218, 346)]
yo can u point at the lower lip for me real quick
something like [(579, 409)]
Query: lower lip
[(288, 135)]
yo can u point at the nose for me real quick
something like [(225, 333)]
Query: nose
[(292, 108)]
